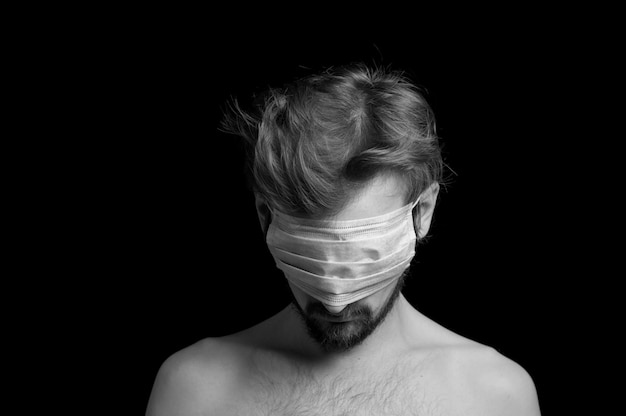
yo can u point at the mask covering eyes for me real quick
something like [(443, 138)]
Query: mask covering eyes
[(341, 262)]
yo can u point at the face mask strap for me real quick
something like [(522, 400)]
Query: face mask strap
[(417, 201), (416, 217)]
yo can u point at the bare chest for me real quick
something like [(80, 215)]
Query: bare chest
[(399, 388)]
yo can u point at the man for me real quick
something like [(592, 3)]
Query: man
[(345, 166)]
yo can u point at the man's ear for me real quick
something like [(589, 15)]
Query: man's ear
[(263, 212), (423, 213)]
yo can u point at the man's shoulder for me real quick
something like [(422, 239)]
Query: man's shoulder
[(207, 356), (476, 373), (492, 382), (196, 377)]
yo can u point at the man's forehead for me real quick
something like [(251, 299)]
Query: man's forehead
[(383, 194)]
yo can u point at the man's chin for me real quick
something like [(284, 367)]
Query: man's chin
[(338, 333), (343, 332)]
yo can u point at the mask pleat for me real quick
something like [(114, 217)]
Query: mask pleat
[(340, 262)]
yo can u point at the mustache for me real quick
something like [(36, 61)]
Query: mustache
[(349, 312)]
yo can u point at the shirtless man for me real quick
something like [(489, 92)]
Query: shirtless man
[(346, 170)]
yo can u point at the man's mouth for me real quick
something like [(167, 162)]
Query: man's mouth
[(337, 319), (341, 318)]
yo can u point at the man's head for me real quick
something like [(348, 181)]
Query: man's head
[(347, 144)]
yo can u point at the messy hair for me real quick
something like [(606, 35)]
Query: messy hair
[(313, 143)]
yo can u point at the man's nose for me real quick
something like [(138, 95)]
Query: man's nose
[(334, 309)]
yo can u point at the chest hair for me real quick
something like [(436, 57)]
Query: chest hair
[(278, 389)]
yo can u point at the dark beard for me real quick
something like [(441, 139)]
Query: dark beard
[(343, 336)]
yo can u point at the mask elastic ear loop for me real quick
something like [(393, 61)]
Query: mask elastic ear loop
[(417, 201), (415, 215)]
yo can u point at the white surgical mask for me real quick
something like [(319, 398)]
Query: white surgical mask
[(341, 262)]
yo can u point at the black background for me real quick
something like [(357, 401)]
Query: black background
[(173, 249)]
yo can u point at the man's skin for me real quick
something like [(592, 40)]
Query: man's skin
[(409, 365)]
